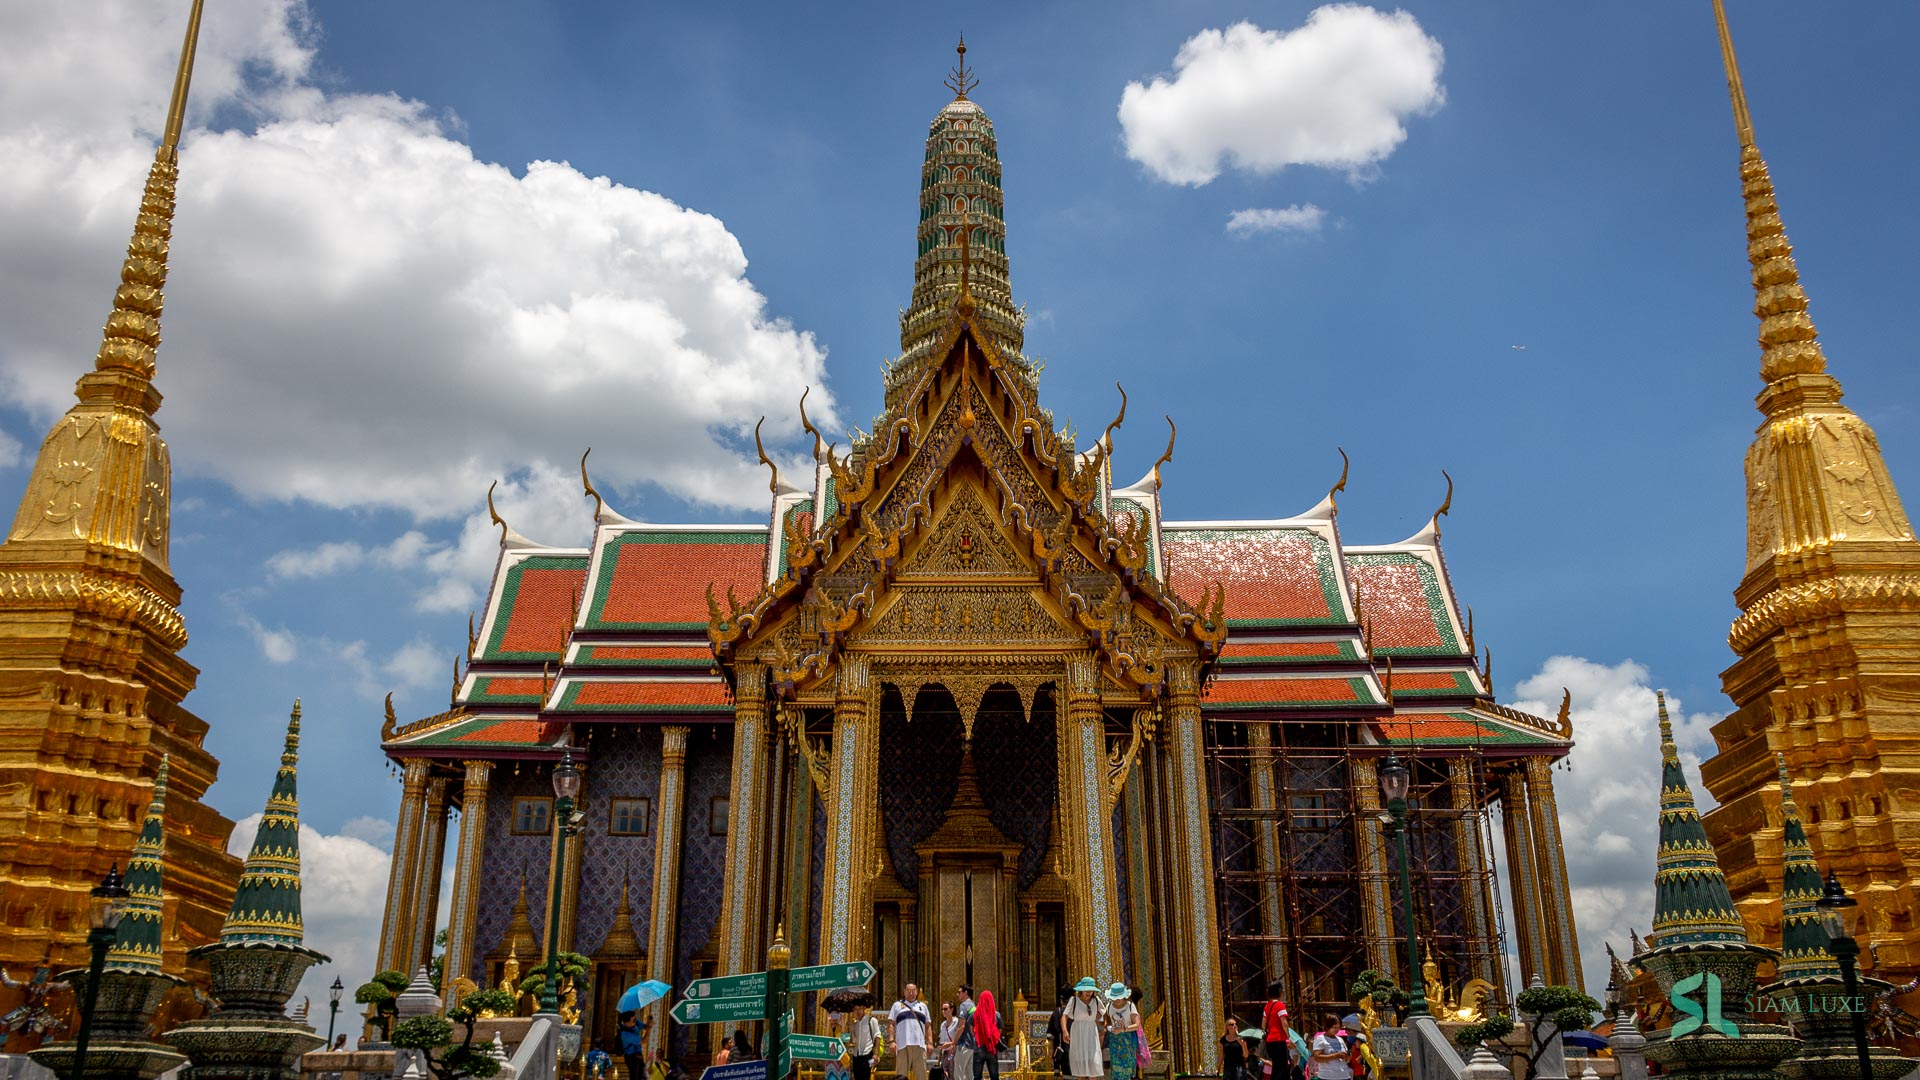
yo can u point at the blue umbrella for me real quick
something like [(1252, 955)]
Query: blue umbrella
[(641, 995), (1585, 1039)]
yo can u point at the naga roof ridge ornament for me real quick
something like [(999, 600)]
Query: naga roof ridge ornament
[(510, 540), (602, 515)]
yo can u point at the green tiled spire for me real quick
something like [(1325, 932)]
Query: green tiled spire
[(266, 907), (136, 945), (1803, 943), (1691, 901)]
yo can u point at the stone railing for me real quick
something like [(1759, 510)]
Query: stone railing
[(538, 1056), (1434, 1057)]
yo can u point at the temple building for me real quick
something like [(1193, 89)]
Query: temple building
[(91, 677), (1829, 628), (963, 706)]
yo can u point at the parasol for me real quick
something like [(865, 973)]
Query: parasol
[(846, 998), (1584, 1038), (641, 995)]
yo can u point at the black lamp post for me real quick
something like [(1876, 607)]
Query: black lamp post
[(106, 903), (1840, 917), (566, 784), (333, 995), (1613, 999), (1395, 779)]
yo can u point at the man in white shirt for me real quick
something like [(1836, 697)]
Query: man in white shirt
[(909, 1023)]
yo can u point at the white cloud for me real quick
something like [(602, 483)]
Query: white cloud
[(1334, 92), (375, 831), (10, 451), (1300, 218), (343, 892), (359, 313), (1610, 799), (278, 645)]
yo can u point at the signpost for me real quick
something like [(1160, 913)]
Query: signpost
[(718, 1010), (763, 995), (816, 1047)]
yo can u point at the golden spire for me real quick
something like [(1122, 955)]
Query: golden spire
[(1815, 475)]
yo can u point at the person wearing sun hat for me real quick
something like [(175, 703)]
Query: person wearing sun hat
[(1081, 1021), (1123, 1039)]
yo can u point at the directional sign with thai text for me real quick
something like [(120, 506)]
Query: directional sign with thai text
[(816, 1047), (829, 977), (751, 984), (719, 1010), (739, 1070)]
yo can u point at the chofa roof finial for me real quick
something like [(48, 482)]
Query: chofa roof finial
[(960, 80)]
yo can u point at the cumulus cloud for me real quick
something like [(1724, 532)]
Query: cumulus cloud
[(1302, 218), (277, 644), (361, 313), (1610, 798), (10, 451), (1334, 92)]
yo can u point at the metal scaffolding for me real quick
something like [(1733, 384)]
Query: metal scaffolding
[(1308, 886)]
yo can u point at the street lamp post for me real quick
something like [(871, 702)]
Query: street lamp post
[(566, 784), (106, 903), (1840, 916), (1395, 780), (333, 993)]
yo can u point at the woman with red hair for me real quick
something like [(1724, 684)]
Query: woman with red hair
[(986, 1037)]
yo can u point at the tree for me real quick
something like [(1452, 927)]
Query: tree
[(1381, 988), (435, 966), (430, 1033), (380, 993), (572, 966), (1556, 1010)]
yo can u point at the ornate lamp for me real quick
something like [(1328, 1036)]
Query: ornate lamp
[(106, 903), (1396, 778), (1613, 998), (1840, 917), (566, 785), (333, 1003)]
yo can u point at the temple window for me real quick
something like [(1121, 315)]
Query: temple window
[(717, 810), (628, 817), (532, 815)]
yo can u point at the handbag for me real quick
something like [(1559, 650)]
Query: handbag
[(1146, 1050)]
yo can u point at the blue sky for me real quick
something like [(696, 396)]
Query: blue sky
[(1575, 193)]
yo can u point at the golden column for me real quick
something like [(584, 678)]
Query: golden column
[(1266, 850), (1086, 830), (570, 887), (1522, 877), (1560, 946), (740, 893), (426, 888), (396, 928), (1376, 900), (466, 877), (661, 953), (1196, 938), (1473, 886), (852, 801)]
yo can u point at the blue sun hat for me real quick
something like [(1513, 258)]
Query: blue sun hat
[(1086, 984), (1118, 992)]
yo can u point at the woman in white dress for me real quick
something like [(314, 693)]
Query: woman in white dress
[(1081, 1024)]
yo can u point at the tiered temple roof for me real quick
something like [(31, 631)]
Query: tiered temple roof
[(617, 631)]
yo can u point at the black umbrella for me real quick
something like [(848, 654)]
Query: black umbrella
[(846, 999)]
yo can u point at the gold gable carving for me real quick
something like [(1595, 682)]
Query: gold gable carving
[(962, 616), (965, 541)]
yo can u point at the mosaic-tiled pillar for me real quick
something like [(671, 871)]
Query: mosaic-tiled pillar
[(1522, 877), (1197, 987), (1376, 896), (426, 890), (1266, 852), (396, 926), (461, 921), (846, 909), (661, 947), (1086, 843), (1561, 948), (740, 894), (799, 855), (1473, 886), (1139, 909)]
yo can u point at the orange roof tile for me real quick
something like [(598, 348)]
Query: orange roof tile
[(658, 580), (1402, 603), (1252, 693), (1272, 576), (536, 608), (673, 656), (627, 695), (1247, 652)]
